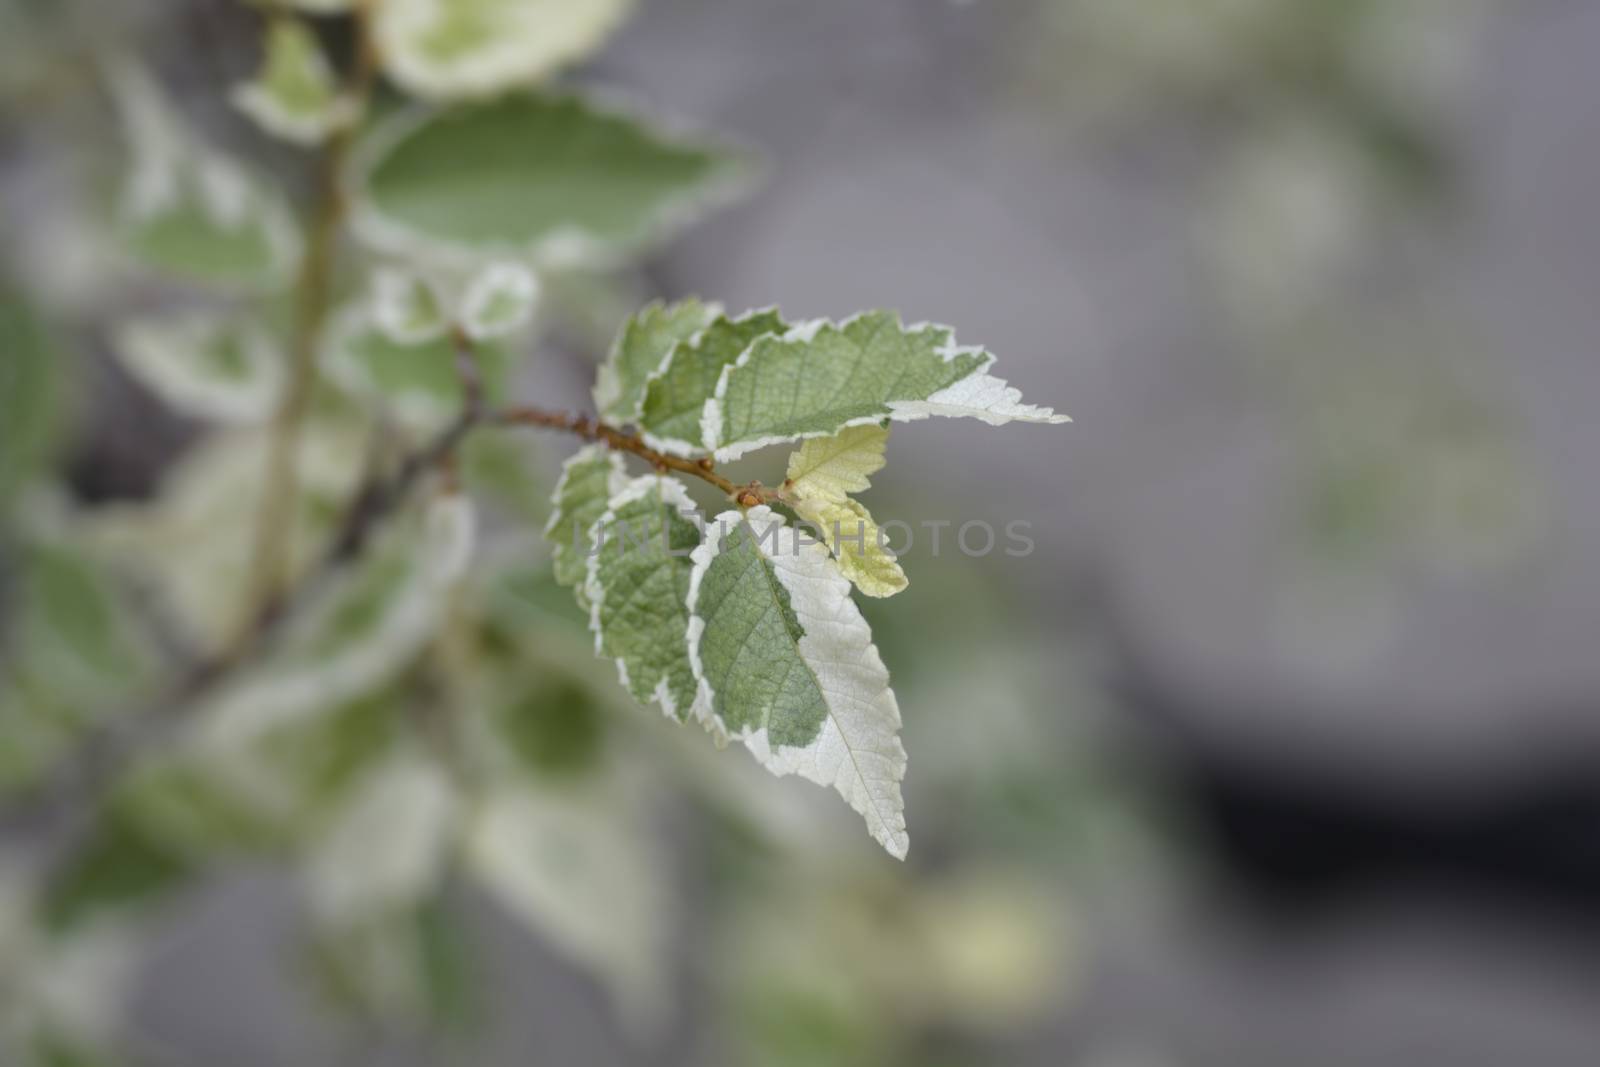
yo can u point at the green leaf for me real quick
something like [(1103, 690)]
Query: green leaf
[(786, 665), (120, 865), (417, 383), (191, 212), (590, 478), (820, 378), (676, 394), (206, 365), (640, 349), (636, 586), (541, 177), (30, 395), (444, 49), (296, 96)]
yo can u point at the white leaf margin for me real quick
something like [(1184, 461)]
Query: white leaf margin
[(671, 445), (673, 494), (863, 716), (979, 395), (156, 353), (570, 247)]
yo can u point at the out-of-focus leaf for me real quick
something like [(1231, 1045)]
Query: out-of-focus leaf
[(30, 395), (549, 178), (574, 865), (206, 365), (553, 725), (463, 48), (386, 848), (191, 212), (121, 865), (417, 383), (296, 95), (498, 300)]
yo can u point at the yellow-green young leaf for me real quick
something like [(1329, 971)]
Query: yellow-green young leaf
[(786, 664), (822, 474), (640, 349), (296, 96), (191, 212), (206, 366), (544, 178), (447, 49), (831, 468), (855, 540)]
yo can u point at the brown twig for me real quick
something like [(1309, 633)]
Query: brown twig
[(746, 495)]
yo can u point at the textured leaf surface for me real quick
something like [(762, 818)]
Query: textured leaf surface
[(786, 665), (850, 533), (456, 48), (820, 378), (191, 212), (540, 176), (589, 479), (638, 585), (644, 343), (206, 366), (832, 468), (296, 95), (676, 394)]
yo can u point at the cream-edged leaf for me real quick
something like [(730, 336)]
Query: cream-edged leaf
[(296, 96), (545, 178), (637, 587), (589, 479), (205, 365), (786, 664), (846, 527), (448, 49), (388, 845), (379, 619), (499, 300), (415, 383), (189, 211), (820, 378), (643, 344), (676, 394), (406, 307), (575, 866)]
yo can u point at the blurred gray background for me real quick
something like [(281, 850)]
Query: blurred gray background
[(1322, 547)]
